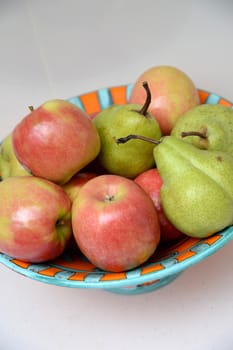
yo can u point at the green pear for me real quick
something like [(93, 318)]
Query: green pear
[(133, 158), (9, 164), (207, 126), (197, 191)]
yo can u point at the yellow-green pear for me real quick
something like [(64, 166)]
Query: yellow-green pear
[(133, 158), (208, 126), (197, 191), (9, 164)]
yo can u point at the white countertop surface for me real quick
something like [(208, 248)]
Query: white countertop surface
[(63, 48)]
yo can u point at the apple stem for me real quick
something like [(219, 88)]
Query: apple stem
[(60, 222), (31, 108), (136, 137), (109, 198), (194, 133), (145, 107)]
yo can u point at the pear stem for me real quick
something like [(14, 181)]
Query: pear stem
[(136, 137), (145, 107), (194, 133)]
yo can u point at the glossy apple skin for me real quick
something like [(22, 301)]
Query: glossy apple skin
[(151, 182), (172, 94), (73, 186), (35, 219), (56, 140), (115, 223)]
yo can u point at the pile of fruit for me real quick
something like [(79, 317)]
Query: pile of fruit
[(122, 182)]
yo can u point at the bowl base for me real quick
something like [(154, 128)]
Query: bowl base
[(145, 287)]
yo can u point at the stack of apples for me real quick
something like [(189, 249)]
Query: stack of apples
[(120, 183)]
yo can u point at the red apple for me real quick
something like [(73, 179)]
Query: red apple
[(151, 183), (73, 186), (56, 140), (115, 223), (172, 94), (35, 218)]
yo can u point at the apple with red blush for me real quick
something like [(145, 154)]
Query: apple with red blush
[(55, 141), (151, 182), (73, 186), (172, 94), (35, 219), (115, 223)]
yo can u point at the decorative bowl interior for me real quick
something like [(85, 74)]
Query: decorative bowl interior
[(73, 270)]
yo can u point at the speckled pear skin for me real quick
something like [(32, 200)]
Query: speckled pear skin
[(217, 120), (9, 164), (135, 156), (197, 191)]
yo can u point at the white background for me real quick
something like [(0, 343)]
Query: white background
[(63, 48)]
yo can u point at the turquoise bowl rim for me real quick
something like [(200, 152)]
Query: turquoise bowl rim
[(175, 268)]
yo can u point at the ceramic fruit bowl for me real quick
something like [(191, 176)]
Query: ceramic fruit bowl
[(73, 270)]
